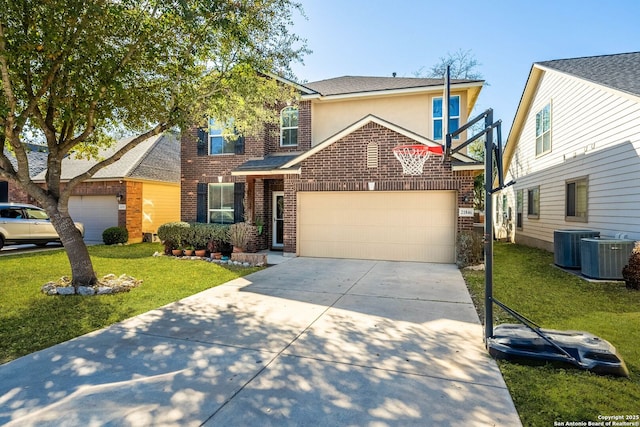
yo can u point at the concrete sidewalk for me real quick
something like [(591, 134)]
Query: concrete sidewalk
[(306, 342)]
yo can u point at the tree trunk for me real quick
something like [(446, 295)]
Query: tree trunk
[(82, 273)]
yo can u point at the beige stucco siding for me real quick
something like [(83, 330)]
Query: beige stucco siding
[(160, 204), (412, 112)]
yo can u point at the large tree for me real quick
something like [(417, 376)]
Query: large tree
[(73, 72)]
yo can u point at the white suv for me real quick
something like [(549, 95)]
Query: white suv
[(21, 223)]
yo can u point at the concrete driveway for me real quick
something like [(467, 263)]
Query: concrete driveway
[(307, 342)]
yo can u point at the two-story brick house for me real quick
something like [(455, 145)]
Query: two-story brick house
[(327, 183)]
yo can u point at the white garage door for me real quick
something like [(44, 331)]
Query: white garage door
[(397, 226), (97, 213)]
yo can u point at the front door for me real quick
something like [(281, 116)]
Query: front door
[(278, 219)]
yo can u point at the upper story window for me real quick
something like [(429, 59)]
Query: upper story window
[(454, 116), (289, 127), (221, 142), (543, 130)]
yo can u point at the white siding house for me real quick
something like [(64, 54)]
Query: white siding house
[(574, 151)]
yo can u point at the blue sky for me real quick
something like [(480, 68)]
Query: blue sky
[(379, 37)]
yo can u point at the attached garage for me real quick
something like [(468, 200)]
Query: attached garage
[(394, 225), (97, 213)]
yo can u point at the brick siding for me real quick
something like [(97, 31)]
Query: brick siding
[(342, 166)]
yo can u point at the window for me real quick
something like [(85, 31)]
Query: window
[(576, 200), (533, 202), (454, 116), (543, 130), (221, 204), (519, 205), (289, 127), (220, 142)]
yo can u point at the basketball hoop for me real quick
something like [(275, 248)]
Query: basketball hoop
[(413, 157)]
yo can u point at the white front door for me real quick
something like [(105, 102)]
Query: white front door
[(278, 219)]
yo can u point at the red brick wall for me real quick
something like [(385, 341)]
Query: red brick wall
[(343, 167)]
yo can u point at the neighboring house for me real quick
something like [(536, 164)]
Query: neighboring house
[(141, 191), (574, 151), (37, 155), (327, 184)]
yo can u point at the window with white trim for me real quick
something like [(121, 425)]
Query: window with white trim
[(533, 202), (221, 203), (543, 130), (289, 127), (454, 116), (576, 194)]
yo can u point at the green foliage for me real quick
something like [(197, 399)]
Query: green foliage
[(115, 235), (526, 280), (76, 72), (31, 321), (174, 234), (469, 248), (204, 235)]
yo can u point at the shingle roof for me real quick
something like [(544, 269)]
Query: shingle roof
[(357, 84), (267, 163), (156, 158), (37, 155), (619, 71)]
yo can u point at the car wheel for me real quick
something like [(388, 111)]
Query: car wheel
[(1, 242)]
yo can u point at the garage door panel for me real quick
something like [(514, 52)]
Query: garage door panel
[(403, 226), (97, 213)]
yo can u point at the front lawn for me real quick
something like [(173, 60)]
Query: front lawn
[(30, 320), (526, 280)]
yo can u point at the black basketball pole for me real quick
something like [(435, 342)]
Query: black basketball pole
[(488, 225)]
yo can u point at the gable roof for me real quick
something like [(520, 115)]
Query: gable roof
[(619, 71), (362, 122), (155, 159), (348, 85)]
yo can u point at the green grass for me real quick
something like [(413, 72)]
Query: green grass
[(526, 280), (30, 320)]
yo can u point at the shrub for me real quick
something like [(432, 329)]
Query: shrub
[(239, 234), (115, 235), (469, 248), (631, 271), (205, 236), (173, 235)]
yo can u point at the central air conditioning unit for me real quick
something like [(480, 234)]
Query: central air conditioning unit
[(566, 246), (605, 258)]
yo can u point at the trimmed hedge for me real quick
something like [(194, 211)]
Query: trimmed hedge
[(175, 235), (115, 235)]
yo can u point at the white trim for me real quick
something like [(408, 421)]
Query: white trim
[(355, 126), (283, 128), (274, 211), (391, 92)]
